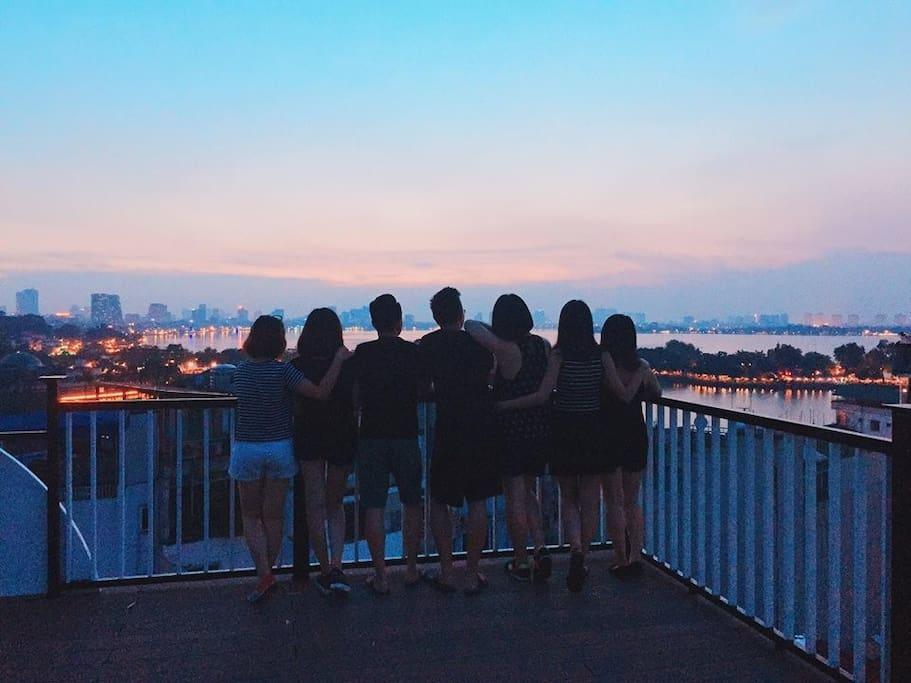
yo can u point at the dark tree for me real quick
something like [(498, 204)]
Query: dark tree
[(850, 356)]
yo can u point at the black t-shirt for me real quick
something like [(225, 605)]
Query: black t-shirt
[(389, 374), (460, 369), (312, 416)]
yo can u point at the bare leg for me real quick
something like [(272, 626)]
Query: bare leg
[(514, 491), (635, 524), (251, 506), (336, 485), (441, 525), (569, 505), (616, 519), (375, 531), (533, 517), (477, 539), (413, 529), (589, 488), (274, 492), (314, 472)]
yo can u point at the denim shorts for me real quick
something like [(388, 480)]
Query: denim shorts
[(255, 460)]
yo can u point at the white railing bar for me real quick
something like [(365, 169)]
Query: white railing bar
[(93, 487), (206, 486), (701, 424), (715, 553), (150, 503), (178, 455), (122, 486), (662, 488), (674, 517), (811, 588), (859, 545), (749, 522), (687, 433), (69, 496), (649, 488), (834, 555), (733, 500), (788, 551), (232, 495), (768, 528)]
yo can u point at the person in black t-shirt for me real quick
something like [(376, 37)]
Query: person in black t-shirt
[(325, 438), (388, 381), (463, 467)]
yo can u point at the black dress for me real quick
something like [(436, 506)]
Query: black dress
[(325, 430), (524, 435), (627, 438), (578, 426)]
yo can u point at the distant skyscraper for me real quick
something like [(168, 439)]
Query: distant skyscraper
[(600, 314), (838, 320), (243, 316), (216, 316), (638, 318), (158, 313), (479, 316), (27, 302), (106, 309), (408, 322), (200, 316), (901, 319), (278, 313), (540, 318), (879, 319), (853, 320)]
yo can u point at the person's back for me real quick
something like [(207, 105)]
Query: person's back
[(579, 384), (460, 370), (264, 390), (335, 415), (388, 373), (526, 423)]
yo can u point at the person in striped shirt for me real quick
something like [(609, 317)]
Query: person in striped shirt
[(262, 458), (577, 369)]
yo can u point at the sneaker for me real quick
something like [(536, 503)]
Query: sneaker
[(519, 571), (324, 583), (543, 565), (337, 581), (575, 579)]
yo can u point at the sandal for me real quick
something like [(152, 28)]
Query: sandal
[(436, 582), (415, 582), (262, 589), (543, 565), (373, 584), (479, 587), (520, 571)]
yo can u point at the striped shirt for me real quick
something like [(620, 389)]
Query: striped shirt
[(579, 386), (264, 390)]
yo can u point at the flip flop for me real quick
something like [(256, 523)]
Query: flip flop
[(259, 592), (374, 588), (437, 583), (479, 587)]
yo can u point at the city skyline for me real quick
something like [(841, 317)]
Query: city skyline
[(705, 163)]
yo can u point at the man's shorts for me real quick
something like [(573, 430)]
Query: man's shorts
[(464, 467), (377, 459), (255, 460)]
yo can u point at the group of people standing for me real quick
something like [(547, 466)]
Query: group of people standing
[(508, 406)]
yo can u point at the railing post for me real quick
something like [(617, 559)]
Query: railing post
[(53, 484), (301, 561), (900, 545)]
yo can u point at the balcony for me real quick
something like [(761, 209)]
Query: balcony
[(771, 543)]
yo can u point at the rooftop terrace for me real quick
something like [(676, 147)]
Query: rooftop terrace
[(648, 629)]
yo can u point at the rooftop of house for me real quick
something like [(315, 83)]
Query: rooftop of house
[(651, 628)]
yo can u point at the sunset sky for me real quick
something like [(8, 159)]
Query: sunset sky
[(292, 154)]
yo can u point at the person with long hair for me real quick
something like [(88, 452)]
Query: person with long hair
[(262, 457), (463, 468), (628, 446), (325, 437), (523, 433), (576, 372)]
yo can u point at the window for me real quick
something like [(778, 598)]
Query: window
[(875, 425)]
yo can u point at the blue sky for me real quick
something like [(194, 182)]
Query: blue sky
[(612, 147)]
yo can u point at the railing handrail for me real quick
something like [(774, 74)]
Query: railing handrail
[(23, 433), (834, 435), (148, 404)]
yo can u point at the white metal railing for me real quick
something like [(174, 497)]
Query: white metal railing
[(787, 524)]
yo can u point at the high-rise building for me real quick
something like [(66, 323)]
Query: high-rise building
[(278, 313), (540, 318), (243, 316), (838, 320), (106, 309), (27, 302), (158, 313), (879, 319), (901, 319), (853, 320), (200, 316), (600, 314)]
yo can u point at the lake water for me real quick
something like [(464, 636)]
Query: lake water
[(226, 338), (811, 407)]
